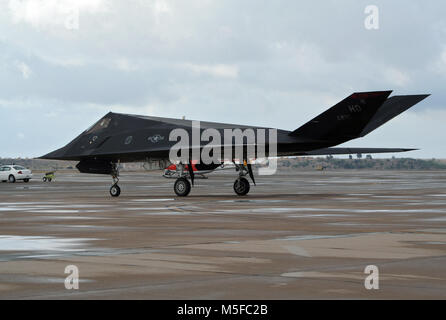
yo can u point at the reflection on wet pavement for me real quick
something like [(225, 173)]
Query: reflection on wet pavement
[(290, 234)]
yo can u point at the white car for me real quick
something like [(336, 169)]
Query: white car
[(13, 173)]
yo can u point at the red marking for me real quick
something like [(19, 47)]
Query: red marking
[(173, 167)]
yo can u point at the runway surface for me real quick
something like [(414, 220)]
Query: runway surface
[(301, 235)]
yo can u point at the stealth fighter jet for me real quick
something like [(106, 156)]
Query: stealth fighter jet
[(119, 138)]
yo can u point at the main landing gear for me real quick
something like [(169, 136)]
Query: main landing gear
[(115, 190), (241, 185), (182, 186)]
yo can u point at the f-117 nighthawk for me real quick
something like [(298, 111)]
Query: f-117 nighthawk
[(119, 138)]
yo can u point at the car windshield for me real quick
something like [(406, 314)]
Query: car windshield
[(19, 168)]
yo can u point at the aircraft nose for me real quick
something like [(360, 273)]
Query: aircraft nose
[(54, 155)]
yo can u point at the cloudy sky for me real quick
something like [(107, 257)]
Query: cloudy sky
[(66, 63)]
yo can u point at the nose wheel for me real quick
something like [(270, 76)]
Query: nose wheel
[(241, 186), (115, 191)]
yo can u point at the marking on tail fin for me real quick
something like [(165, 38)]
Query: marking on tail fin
[(344, 121)]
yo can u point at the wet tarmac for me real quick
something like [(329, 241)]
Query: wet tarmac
[(301, 235)]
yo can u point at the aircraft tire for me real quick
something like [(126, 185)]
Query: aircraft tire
[(115, 191), (182, 187), (241, 187)]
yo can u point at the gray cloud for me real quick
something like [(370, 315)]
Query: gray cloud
[(272, 63)]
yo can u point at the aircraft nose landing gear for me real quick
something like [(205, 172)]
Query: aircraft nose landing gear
[(115, 190), (241, 185)]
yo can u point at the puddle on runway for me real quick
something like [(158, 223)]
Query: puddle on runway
[(319, 215), (438, 219), (86, 227), (54, 211), (286, 210), (309, 237), (374, 210), (314, 237), (143, 209), (167, 213), (348, 224), (37, 279), (257, 210), (433, 230), (11, 209), (54, 207), (72, 218), (401, 211), (321, 209), (253, 201), (152, 200), (30, 203), (37, 243), (389, 197), (82, 206)]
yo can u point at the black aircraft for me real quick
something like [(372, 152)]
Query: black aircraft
[(119, 138)]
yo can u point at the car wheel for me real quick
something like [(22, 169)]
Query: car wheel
[(44, 179), (25, 180), (11, 179)]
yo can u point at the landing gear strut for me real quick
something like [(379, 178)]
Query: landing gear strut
[(241, 185), (115, 190)]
